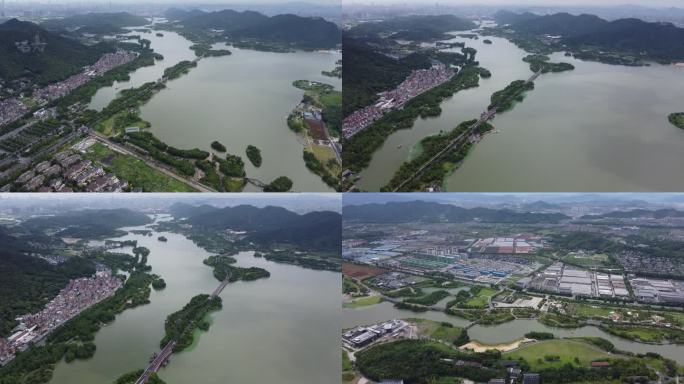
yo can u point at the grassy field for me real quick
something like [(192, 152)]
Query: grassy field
[(481, 300), (573, 352), (136, 172), (436, 330), (363, 302), (587, 310), (348, 374)]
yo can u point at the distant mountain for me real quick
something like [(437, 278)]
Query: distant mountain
[(186, 210), (88, 222), (274, 225), (638, 213), (428, 212), (417, 27), (563, 24), (507, 17), (28, 50), (96, 22), (304, 32), (661, 41)]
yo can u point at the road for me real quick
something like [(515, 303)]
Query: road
[(487, 115), (150, 161)]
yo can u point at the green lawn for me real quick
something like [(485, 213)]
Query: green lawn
[(363, 302), (482, 298), (577, 353), (135, 171), (436, 330)]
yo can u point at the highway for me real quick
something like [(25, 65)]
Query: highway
[(487, 115), (150, 161)]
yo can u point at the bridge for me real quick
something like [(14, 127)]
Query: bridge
[(157, 362), (486, 116), (166, 352), (256, 182)]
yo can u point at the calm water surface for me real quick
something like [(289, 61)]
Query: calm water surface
[(598, 128), (268, 330)]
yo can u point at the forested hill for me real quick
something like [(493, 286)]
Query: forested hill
[(28, 282), (302, 32), (88, 223), (637, 213), (272, 225), (415, 27), (657, 40), (429, 212), (96, 22), (60, 58), (367, 72)]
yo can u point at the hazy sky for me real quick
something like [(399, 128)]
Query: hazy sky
[(648, 3)]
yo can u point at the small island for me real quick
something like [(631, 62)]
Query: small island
[(216, 146), (487, 41), (159, 34), (281, 184), (254, 155), (541, 63), (158, 283), (162, 238), (677, 119)]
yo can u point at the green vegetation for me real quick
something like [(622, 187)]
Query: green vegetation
[(677, 119), (313, 164), (281, 184), (429, 299), (646, 334), (363, 302), (232, 166), (541, 63), (350, 286), (439, 330), (89, 223), (254, 155), (37, 364), (215, 145), (158, 283), (179, 69), (324, 97), (415, 27), (61, 57), (557, 353), (506, 98), (559, 321), (109, 22), (312, 261), (180, 326), (28, 283), (205, 50), (417, 361), (135, 171), (171, 156), (359, 149), (434, 173), (348, 373), (132, 377), (223, 269), (482, 316), (336, 72), (539, 335)]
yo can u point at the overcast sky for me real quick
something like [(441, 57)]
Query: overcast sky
[(648, 3)]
